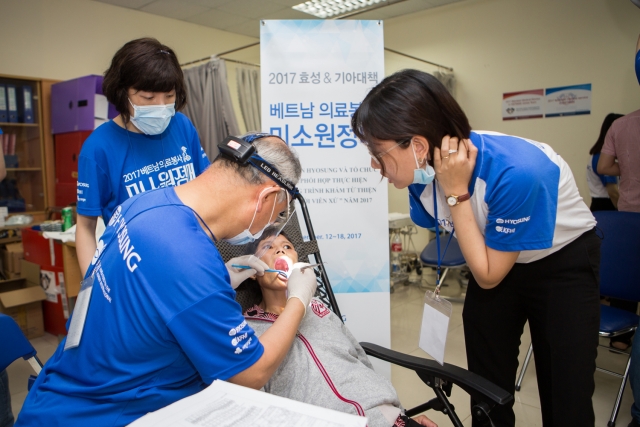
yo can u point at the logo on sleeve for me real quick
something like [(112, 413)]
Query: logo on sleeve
[(513, 221), (319, 309), (505, 230), (238, 328)]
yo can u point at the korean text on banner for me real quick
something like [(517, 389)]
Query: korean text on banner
[(315, 74)]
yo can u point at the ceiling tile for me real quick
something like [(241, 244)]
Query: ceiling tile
[(216, 18), (251, 8), (249, 28), (177, 9), (211, 3), (131, 4), (288, 3), (238, 16), (288, 14)]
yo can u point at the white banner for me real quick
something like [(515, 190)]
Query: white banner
[(315, 73)]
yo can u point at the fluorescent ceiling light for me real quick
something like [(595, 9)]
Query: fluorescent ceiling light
[(329, 8)]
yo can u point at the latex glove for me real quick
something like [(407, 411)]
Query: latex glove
[(239, 275), (302, 285)]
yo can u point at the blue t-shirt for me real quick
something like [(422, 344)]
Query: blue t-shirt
[(523, 195), (116, 164), (162, 323)]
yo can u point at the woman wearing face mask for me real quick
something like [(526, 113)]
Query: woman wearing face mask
[(147, 146), (525, 232)]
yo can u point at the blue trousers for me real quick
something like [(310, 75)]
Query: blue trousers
[(6, 416)]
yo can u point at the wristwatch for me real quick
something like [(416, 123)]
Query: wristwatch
[(453, 200)]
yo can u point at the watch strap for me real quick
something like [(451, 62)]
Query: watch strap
[(459, 199), (464, 197)]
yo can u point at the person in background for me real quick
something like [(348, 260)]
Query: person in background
[(326, 366), (604, 197), (147, 146), (620, 154), (623, 144), (603, 188)]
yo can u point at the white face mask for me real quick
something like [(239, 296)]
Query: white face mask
[(152, 119), (246, 236)]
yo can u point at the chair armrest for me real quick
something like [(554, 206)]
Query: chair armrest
[(476, 386)]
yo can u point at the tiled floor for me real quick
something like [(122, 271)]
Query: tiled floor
[(406, 312)]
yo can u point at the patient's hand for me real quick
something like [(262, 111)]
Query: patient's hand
[(424, 421)]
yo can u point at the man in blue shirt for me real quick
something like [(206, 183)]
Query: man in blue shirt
[(162, 322)]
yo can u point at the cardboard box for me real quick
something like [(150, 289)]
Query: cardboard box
[(12, 255), (21, 299), (10, 235), (72, 274)]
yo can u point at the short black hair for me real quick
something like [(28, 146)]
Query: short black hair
[(143, 64), (406, 104)]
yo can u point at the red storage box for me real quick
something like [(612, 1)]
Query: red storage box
[(47, 254), (66, 194), (68, 146), (56, 313), (41, 251)]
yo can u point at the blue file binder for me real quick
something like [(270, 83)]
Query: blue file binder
[(25, 113), (12, 104), (4, 116)]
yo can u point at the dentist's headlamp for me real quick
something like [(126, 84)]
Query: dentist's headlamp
[(242, 152)]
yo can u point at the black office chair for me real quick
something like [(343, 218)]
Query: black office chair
[(439, 378), (619, 276)]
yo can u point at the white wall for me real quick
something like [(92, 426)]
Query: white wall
[(498, 46), (495, 46), (64, 39)]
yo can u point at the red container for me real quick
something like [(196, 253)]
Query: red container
[(48, 255), (68, 146)]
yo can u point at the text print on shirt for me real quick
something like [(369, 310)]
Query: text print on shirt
[(160, 174), (507, 230), (124, 241)]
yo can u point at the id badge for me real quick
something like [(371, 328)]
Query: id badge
[(79, 314), (435, 325)]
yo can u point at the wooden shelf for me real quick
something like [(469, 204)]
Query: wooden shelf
[(7, 124), (29, 179)]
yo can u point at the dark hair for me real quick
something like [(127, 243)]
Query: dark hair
[(406, 104), (606, 124), (143, 64), (270, 231)]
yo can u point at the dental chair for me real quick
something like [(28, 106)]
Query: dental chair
[(440, 379)]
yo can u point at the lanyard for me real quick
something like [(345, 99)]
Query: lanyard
[(440, 258)]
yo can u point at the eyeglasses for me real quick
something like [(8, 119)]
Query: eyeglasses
[(377, 158)]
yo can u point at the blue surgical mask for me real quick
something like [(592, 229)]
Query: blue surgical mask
[(246, 236), (422, 175), (638, 66), (152, 119)]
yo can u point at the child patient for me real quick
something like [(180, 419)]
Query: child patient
[(325, 365)]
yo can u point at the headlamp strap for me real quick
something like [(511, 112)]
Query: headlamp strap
[(259, 163)]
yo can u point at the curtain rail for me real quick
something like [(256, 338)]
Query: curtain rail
[(220, 54), (208, 58)]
